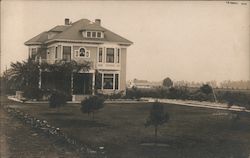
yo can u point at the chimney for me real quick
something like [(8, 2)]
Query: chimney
[(66, 21), (98, 21)]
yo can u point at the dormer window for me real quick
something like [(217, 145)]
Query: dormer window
[(82, 53), (93, 34), (89, 34), (99, 34)]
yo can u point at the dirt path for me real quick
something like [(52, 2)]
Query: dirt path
[(19, 141)]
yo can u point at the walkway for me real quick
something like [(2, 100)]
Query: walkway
[(204, 104)]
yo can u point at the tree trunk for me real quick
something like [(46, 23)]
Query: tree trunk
[(156, 130)]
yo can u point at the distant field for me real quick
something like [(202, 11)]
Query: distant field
[(191, 132)]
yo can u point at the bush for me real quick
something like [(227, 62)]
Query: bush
[(92, 104), (57, 99), (33, 93)]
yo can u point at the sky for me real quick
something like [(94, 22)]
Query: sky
[(192, 41)]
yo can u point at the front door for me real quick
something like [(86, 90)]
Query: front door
[(82, 83)]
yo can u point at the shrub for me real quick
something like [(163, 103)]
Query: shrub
[(92, 104), (57, 99), (207, 89), (33, 93)]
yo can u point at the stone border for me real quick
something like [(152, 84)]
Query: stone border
[(44, 127)]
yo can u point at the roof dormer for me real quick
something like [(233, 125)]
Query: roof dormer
[(93, 34)]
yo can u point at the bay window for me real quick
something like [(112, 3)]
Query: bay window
[(100, 55), (108, 81), (67, 53)]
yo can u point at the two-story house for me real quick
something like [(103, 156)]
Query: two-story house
[(83, 41)]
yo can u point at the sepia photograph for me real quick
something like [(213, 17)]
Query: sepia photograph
[(124, 79)]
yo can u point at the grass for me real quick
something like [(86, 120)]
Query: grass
[(191, 132)]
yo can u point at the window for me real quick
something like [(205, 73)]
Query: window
[(93, 34), (110, 55), (89, 34), (99, 34), (116, 81), (67, 53), (82, 52), (118, 55), (108, 81), (56, 55), (33, 53), (76, 53), (100, 55)]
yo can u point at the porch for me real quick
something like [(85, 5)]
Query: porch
[(77, 85)]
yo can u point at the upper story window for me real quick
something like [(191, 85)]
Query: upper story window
[(82, 52), (33, 52), (94, 34), (118, 55), (110, 55), (100, 55)]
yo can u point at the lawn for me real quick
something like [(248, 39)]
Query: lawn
[(190, 133)]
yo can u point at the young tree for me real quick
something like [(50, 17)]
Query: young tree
[(157, 117), (167, 82), (92, 104)]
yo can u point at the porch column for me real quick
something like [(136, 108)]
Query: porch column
[(93, 84), (72, 83), (40, 74)]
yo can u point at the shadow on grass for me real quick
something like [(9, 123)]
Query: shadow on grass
[(57, 114), (189, 147), (77, 123)]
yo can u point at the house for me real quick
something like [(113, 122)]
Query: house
[(143, 84), (82, 41)]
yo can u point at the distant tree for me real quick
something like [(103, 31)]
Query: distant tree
[(157, 117), (207, 89), (57, 100), (167, 82), (92, 104)]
